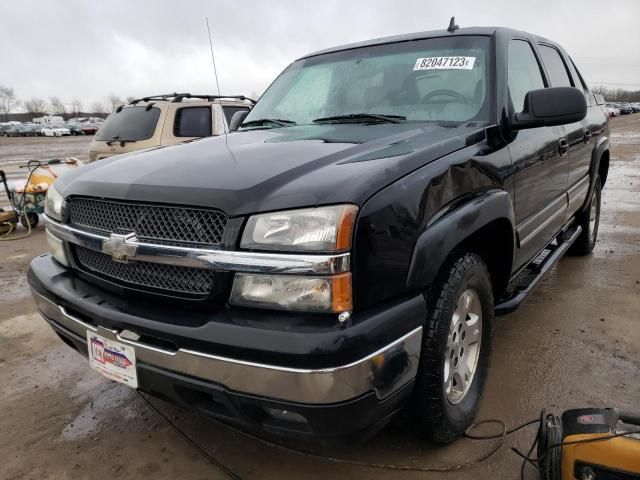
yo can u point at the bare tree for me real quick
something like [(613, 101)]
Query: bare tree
[(76, 106), (57, 107), (113, 102), (98, 107), (8, 101), (35, 106), (617, 94)]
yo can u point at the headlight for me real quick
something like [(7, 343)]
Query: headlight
[(322, 229), (293, 292), (56, 249), (53, 204)]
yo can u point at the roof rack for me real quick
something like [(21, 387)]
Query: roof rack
[(178, 97)]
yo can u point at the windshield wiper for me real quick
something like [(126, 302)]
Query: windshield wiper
[(361, 117), (262, 121)]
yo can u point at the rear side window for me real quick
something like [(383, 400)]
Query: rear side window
[(130, 124), (524, 72), (579, 81), (230, 111), (557, 70), (192, 122)]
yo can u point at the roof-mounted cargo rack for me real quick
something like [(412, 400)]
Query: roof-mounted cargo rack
[(178, 97)]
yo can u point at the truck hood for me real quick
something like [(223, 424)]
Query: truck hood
[(271, 169)]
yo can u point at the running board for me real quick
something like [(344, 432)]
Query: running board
[(523, 284)]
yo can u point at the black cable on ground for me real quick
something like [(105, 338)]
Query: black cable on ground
[(471, 436), (226, 470), (380, 466), (386, 466), (383, 466)]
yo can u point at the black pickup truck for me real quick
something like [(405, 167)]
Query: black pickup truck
[(342, 253)]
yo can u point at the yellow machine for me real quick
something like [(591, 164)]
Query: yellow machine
[(589, 444), (27, 198)]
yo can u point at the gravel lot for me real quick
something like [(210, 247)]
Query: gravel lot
[(575, 342), (16, 151)]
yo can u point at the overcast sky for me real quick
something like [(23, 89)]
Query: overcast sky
[(91, 49)]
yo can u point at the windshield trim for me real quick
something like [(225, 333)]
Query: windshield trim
[(389, 41)]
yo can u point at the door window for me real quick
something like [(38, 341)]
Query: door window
[(192, 122), (524, 72), (579, 82), (557, 70)]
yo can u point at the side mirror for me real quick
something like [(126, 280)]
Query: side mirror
[(237, 119), (550, 106)]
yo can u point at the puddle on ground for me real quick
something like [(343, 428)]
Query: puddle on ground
[(113, 400)]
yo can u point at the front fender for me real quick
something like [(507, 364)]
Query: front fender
[(452, 226)]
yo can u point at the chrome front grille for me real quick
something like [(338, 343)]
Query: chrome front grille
[(154, 277), (154, 224), (168, 225)]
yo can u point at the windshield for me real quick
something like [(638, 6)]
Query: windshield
[(439, 79), (130, 124)]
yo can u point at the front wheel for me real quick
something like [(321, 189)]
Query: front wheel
[(456, 349)]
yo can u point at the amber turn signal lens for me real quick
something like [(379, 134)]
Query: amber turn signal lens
[(345, 227), (341, 300)]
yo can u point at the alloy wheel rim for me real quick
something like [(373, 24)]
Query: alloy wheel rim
[(463, 346)]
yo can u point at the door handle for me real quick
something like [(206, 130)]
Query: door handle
[(563, 147), (587, 136)]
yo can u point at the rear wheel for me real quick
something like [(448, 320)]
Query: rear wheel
[(589, 220), (456, 349)]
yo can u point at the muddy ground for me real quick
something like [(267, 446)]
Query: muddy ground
[(576, 342)]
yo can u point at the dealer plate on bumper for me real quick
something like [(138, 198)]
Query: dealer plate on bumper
[(114, 360)]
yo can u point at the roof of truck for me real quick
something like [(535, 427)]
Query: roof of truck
[(407, 37)]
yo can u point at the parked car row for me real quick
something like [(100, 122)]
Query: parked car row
[(40, 130), (617, 109)]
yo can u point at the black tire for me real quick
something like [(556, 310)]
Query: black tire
[(587, 240), (438, 418), (30, 217)]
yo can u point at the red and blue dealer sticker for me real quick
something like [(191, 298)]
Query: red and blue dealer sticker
[(112, 359)]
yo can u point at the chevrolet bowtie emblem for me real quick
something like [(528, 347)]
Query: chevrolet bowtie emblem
[(118, 247)]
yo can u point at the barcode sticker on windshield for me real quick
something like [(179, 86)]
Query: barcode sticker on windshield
[(445, 63)]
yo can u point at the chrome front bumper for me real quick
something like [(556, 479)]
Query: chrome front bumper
[(384, 371)]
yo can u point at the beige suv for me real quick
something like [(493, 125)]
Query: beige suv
[(165, 120)]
